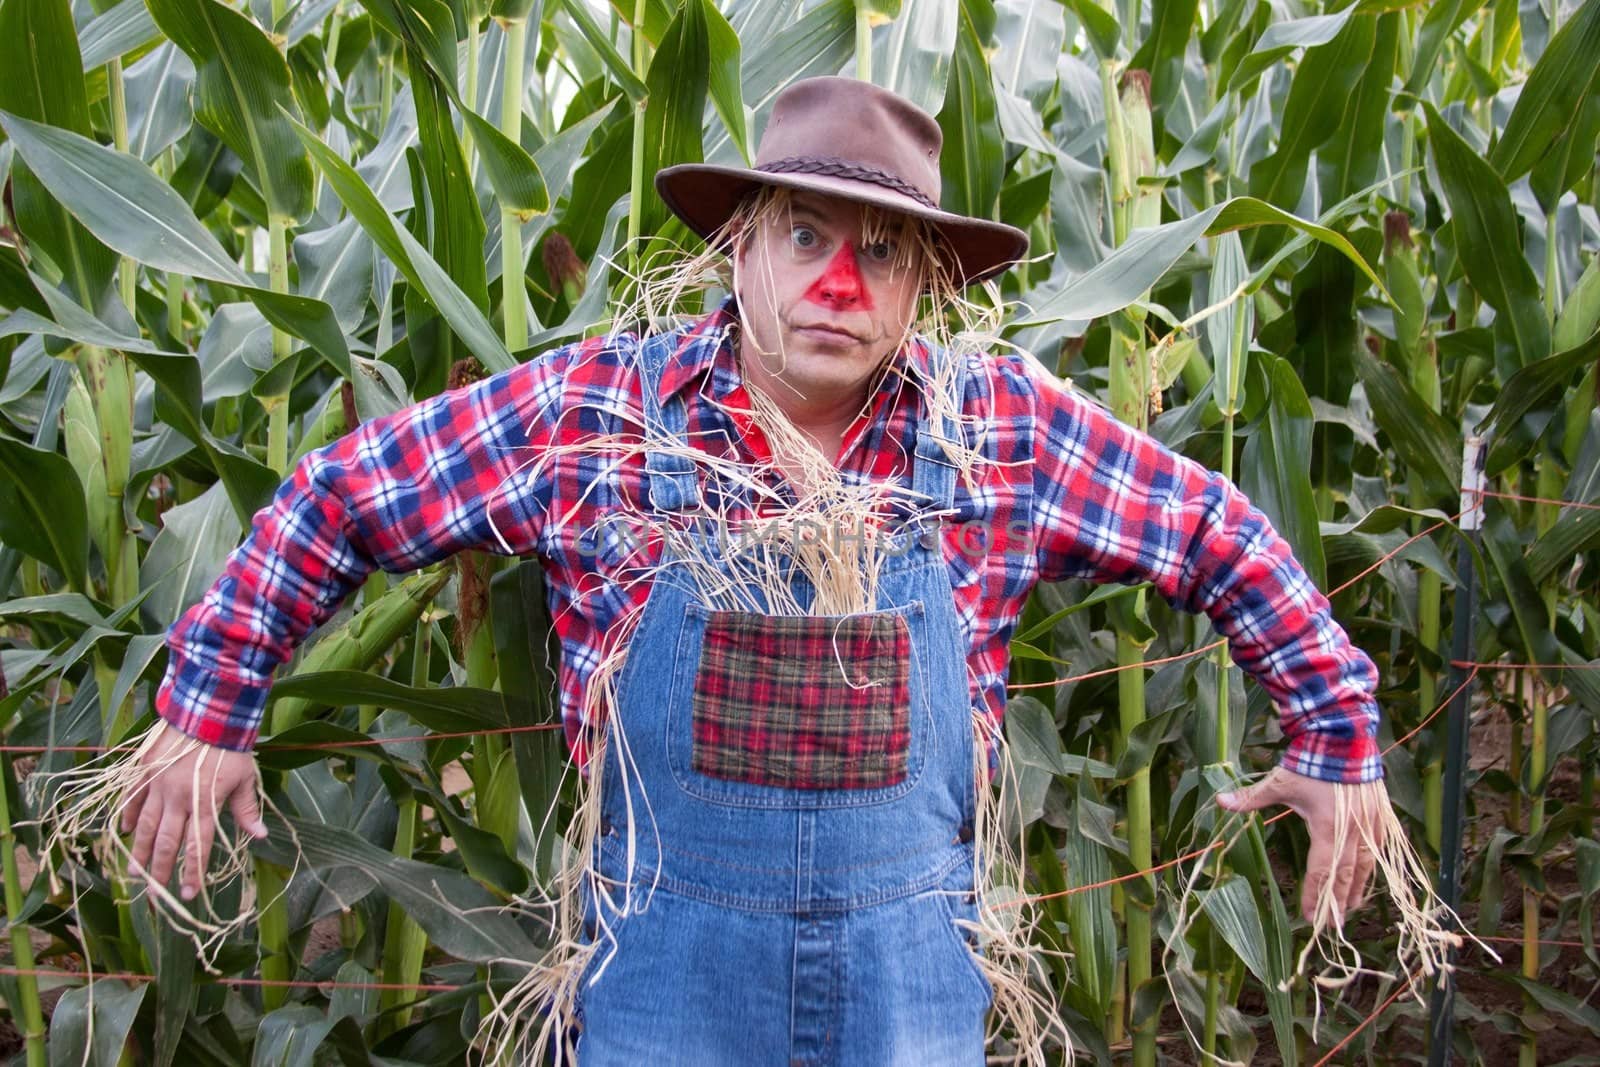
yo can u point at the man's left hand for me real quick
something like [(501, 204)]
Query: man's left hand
[(1313, 800)]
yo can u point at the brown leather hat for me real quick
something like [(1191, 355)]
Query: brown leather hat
[(851, 139)]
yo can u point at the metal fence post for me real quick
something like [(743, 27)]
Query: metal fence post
[(1443, 1000)]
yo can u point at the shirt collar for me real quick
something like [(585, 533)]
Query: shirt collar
[(707, 348)]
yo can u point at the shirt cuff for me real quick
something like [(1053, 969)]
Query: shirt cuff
[(217, 710), (1334, 757)]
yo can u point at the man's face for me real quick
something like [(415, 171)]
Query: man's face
[(822, 302)]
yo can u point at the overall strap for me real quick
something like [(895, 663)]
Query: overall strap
[(933, 476), (669, 476)]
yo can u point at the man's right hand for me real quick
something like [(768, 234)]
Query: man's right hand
[(177, 802)]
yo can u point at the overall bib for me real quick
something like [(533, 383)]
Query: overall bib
[(802, 797)]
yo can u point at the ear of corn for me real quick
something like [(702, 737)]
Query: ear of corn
[(362, 640)]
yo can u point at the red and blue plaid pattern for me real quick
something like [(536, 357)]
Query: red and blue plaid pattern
[(803, 703), (471, 468)]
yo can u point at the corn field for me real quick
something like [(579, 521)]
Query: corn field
[(1314, 246)]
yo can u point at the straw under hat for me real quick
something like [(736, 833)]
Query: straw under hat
[(850, 139)]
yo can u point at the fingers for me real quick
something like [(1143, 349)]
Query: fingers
[(1344, 873), (144, 835), (202, 831), (134, 804), (246, 808), (1253, 797), (1319, 867), (1365, 862), (169, 839)]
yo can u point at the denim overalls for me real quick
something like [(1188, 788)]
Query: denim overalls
[(800, 862)]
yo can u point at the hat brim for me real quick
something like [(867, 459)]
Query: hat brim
[(705, 196)]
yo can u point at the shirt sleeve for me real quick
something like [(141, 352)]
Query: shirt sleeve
[(1112, 504), (401, 492)]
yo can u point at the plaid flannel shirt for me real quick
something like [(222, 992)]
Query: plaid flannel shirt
[(471, 469)]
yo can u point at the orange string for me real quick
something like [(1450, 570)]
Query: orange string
[(1541, 500), (1368, 1021), (321, 745), (1432, 714), (1527, 666), (127, 976), (1520, 941)]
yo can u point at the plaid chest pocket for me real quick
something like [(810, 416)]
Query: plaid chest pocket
[(810, 703)]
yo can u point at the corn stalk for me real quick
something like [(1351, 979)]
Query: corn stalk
[(513, 261), (28, 1008), (636, 178), (404, 941), (1131, 152)]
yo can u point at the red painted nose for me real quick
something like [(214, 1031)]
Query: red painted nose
[(840, 287)]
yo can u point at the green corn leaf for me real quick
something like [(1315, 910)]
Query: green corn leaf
[(159, 108), (727, 93), (1489, 239), (242, 94), (175, 967), (448, 710), (1351, 158), (359, 643), (123, 203), (620, 70), (675, 109), (821, 42), (1099, 24), (1090, 920), (1552, 96), (973, 159), (1577, 529), (1162, 53), (407, 254), (1275, 467), (1232, 909), (1142, 742), (1229, 331), (290, 1036), (912, 54), (1557, 1002), (1315, 108), (249, 484), (487, 855), (455, 224), (1426, 443), (38, 80), (90, 1025), (1282, 38), (1580, 315), (515, 177), (528, 649), (188, 554), (126, 27), (42, 509), (1539, 385), (1122, 277), (460, 916), (1438, 23), (1501, 542)]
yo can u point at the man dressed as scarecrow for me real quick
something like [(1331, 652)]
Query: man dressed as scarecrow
[(786, 541)]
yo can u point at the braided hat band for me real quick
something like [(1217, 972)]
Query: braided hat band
[(832, 167)]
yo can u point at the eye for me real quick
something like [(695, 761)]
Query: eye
[(881, 251), (804, 237)]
